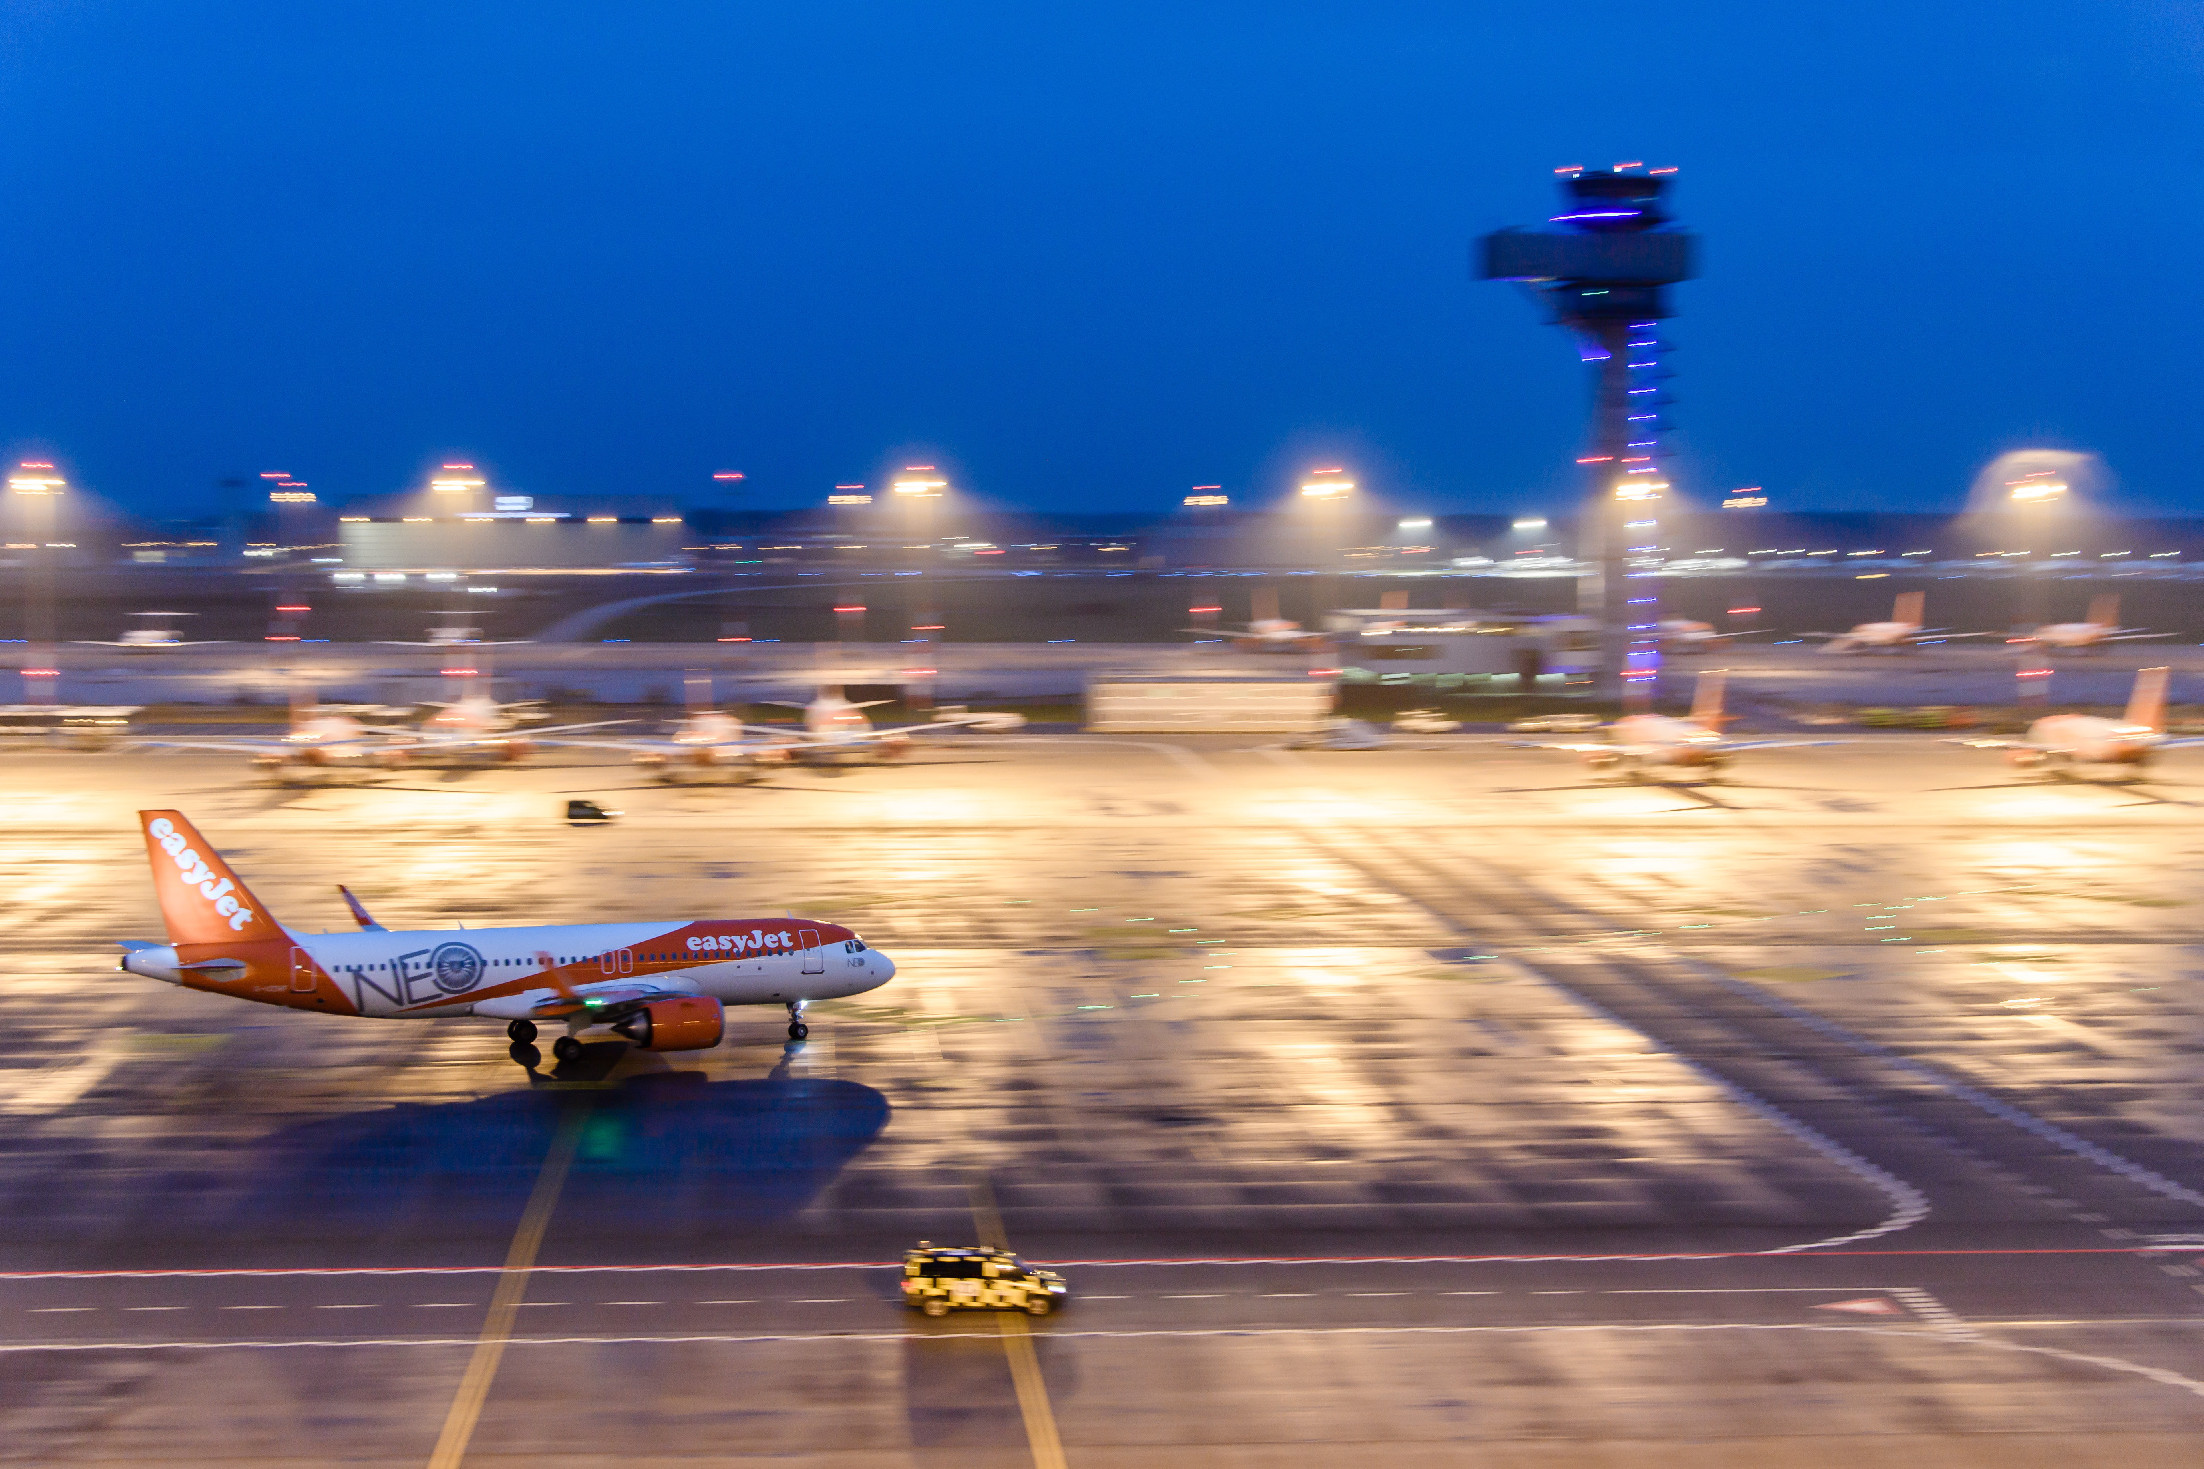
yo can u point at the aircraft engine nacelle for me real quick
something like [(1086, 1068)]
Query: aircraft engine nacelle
[(2027, 759), (1602, 759), (513, 751), (895, 746), (772, 757), (685, 1023)]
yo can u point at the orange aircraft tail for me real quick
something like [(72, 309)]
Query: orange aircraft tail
[(202, 901), (2104, 611), (1910, 608), (1706, 699), (2147, 705)]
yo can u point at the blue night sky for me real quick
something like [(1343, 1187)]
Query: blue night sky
[(1084, 256)]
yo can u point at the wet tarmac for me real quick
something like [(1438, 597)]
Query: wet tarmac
[(1440, 1105)]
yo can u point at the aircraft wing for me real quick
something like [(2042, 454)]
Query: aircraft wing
[(1575, 747), (469, 643), (149, 647), (605, 1000), (2126, 636), (1729, 745), (1986, 742), (416, 739), (248, 744), (2181, 743), (1941, 633), (670, 748)]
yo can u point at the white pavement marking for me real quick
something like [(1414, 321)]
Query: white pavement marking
[(1179, 754), (2113, 1364), (1939, 1316), (2104, 1158), (53, 1088), (1909, 1205)]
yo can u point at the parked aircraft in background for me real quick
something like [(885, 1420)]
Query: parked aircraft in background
[(1694, 742), (1268, 635), (154, 636), (662, 986), (453, 634), (835, 728), (2066, 741), (326, 739), (2101, 626), (1682, 635), (1904, 630), (1266, 631)]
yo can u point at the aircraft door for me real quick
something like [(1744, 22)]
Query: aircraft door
[(815, 959), (302, 973)]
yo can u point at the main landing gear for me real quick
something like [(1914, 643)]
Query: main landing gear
[(797, 1030), (523, 1049), (567, 1048)]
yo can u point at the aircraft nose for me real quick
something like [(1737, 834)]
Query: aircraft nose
[(883, 968)]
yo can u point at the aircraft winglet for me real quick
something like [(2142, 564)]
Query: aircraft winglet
[(359, 913)]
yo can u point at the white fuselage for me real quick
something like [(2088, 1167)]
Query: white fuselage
[(1661, 739), (1877, 635), (427, 973), (2088, 739)]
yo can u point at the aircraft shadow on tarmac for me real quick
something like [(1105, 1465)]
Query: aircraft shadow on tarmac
[(669, 1157)]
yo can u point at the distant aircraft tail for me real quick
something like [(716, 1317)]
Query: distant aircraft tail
[(202, 901), (2104, 611), (1706, 699), (2147, 705), (1910, 607)]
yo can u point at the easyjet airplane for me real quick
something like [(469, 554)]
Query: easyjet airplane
[(663, 986), (1694, 742), (1903, 631), (2125, 745)]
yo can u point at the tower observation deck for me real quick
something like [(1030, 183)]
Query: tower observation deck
[(1605, 274)]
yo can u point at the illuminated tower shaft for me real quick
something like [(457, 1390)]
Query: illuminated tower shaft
[(1605, 276)]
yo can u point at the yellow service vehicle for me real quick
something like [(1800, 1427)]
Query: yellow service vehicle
[(938, 1281)]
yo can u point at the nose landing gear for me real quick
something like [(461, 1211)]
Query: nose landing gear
[(797, 1030)]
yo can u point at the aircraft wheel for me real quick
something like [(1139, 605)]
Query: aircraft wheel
[(523, 1031), (567, 1048), (797, 1030), (1039, 1306), (935, 1306), (526, 1054)]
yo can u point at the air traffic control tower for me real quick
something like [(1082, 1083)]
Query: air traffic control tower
[(1605, 273)]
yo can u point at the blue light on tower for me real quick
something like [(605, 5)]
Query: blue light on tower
[(1605, 275)]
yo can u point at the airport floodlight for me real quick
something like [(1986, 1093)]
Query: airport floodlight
[(728, 476), (1416, 522), (920, 489), (1630, 488), (36, 477), (291, 497), (2036, 489), (849, 499), (449, 484), (604, 520), (1528, 522), (1328, 489), (665, 520), (1201, 502), (1749, 498)]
